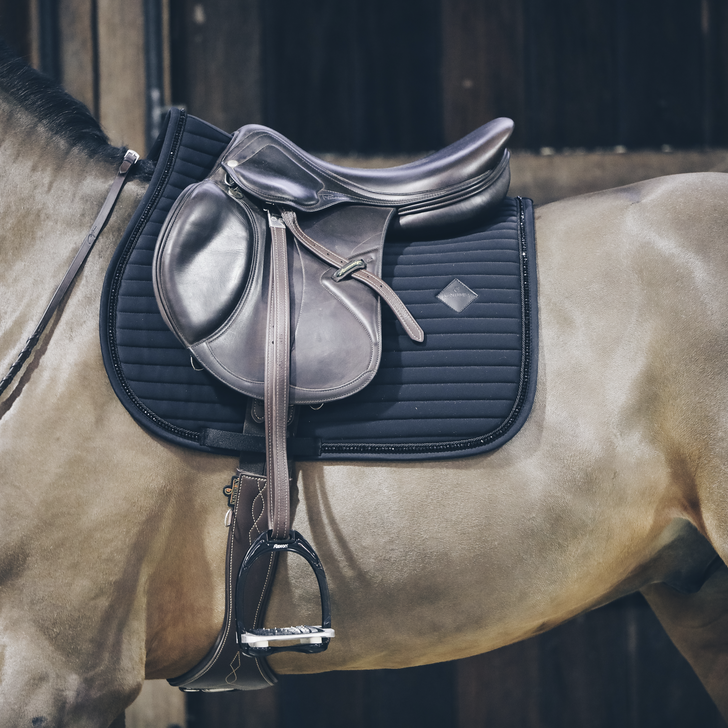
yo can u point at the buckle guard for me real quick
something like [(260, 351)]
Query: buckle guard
[(311, 638)]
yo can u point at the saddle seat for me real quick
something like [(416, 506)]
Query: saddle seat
[(452, 188)]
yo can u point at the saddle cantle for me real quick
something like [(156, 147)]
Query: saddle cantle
[(211, 270)]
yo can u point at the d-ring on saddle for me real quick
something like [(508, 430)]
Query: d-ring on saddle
[(268, 272)]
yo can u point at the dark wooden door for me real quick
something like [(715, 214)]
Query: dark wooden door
[(396, 76)]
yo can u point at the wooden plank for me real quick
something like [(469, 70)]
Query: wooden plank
[(613, 668), (359, 76), (570, 73), (44, 36), (716, 33), (216, 60), (483, 71), (122, 84), (15, 26), (421, 697), (500, 688), (159, 705), (662, 75), (166, 53), (254, 709), (78, 60)]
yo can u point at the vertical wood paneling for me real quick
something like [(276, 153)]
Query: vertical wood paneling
[(122, 88), (392, 76), (15, 26), (612, 668), (254, 709), (216, 60), (421, 697), (483, 66), (570, 79), (500, 688), (159, 705), (45, 51), (77, 26), (354, 76), (715, 33), (661, 95)]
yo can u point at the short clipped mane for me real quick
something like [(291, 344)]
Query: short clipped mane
[(55, 109)]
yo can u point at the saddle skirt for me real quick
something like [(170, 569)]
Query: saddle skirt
[(212, 283)]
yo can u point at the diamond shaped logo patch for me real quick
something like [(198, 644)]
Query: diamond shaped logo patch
[(457, 295)]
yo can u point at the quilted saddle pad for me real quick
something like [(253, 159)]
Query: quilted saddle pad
[(467, 389)]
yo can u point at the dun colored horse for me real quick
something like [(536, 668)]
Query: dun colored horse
[(112, 543)]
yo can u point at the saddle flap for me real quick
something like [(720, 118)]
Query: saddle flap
[(211, 272)]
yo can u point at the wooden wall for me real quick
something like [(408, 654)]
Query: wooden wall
[(639, 73), (394, 76), (404, 76), (111, 55)]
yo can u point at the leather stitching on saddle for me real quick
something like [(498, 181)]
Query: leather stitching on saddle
[(230, 597), (256, 519)]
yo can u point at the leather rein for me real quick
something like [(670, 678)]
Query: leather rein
[(130, 159)]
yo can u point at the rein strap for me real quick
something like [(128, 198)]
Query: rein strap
[(130, 159)]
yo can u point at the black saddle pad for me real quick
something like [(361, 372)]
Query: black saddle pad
[(467, 389)]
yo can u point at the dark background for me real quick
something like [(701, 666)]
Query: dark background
[(406, 76)]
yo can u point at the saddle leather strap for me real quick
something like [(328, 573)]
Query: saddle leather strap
[(410, 325), (277, 378), (130, 159)]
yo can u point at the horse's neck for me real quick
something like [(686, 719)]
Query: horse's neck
[(49, 197)]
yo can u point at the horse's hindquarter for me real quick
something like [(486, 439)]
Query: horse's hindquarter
[(435, 561)]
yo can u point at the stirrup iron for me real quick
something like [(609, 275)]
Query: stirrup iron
[(307, 638)]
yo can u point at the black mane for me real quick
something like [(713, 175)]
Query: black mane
[(55, 109)]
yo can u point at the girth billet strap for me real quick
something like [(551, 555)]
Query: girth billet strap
[(130, 159)]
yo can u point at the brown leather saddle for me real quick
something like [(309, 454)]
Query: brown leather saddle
[(211, 268), (268, 271)]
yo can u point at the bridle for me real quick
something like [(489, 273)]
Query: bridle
[(130, 159)]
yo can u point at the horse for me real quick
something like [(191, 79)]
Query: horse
[(112, 542)]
